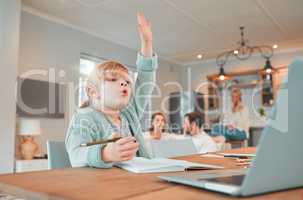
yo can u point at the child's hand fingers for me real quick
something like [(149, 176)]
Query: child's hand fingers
[(141, 18), (129, 146), (123, 149), (128, 158), (125, 140), (127, 154)]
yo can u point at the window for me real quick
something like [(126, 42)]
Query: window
[(87, 64)]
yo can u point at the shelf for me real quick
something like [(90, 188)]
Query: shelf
[(31, 165)]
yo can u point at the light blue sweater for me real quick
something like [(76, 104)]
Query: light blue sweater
[(88, 125)]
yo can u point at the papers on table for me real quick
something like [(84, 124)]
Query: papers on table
[(157, 165)]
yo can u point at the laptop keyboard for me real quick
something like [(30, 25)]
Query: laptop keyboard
[(230, 180)]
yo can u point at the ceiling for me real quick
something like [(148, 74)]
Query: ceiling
[(184, 28)]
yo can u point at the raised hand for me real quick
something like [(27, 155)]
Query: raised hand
[(145, 33), (144, 28)]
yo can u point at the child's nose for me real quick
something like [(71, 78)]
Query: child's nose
[(123, 83)]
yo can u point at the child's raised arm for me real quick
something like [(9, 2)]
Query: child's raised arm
[(145, 33), (147, 64)]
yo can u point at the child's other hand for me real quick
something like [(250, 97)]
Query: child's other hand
[(121, 150)]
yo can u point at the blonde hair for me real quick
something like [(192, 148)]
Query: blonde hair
[(100, 73), (237, 91)]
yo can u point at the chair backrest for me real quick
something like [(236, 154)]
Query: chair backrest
[(57, 155), (172, 148)]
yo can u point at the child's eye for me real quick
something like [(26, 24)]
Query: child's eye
[(113, 79)]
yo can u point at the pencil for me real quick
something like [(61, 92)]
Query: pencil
[(99, 142), (236, 156)]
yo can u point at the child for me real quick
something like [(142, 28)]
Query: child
[(112, 110)]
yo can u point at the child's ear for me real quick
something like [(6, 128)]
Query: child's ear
[(91, 91)]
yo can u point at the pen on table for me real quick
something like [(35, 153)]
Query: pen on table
[(236, 156), (99, 142)]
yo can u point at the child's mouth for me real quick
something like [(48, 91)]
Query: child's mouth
[(124, 92)]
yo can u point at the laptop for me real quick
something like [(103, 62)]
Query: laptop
[(279, 156), (172, 148)]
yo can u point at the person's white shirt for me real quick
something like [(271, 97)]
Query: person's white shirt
[(204, 143), (164, 136), (239, 120)]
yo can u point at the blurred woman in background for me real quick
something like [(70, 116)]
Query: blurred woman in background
[(236, 121), (157, 129)]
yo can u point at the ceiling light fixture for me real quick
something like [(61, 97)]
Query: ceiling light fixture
[(199, 56), (222, 75), (268, 68), (244, 51)]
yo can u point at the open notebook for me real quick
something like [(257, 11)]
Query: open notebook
[(157, 165)]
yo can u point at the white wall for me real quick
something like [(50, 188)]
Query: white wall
[(196, 73), (45, 44), (9, 45)]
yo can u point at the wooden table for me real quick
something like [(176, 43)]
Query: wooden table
[(90, 183)]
